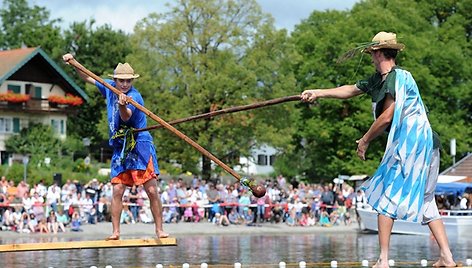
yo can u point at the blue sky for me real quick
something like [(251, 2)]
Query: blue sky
[(124, 14)]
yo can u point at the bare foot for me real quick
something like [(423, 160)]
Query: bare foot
[(162, 234), (443, 263), (113, 237), (381, 264)]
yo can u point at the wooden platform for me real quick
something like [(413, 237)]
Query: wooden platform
[(151, 242)]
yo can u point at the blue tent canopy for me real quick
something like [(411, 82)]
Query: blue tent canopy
[(453, 188)]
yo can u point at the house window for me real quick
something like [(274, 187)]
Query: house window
[(14, 88), (262, 160), (6, 125), (58, 126), (272, 159)]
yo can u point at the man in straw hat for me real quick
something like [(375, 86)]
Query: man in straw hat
[(403, 185), (134, 160)]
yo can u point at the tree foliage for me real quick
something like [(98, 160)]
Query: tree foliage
[(22, 25), (437, 38), (208, 55)]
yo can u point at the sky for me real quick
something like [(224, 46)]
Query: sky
[(124, 14)]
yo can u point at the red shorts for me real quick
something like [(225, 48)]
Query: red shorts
[(136, 177)]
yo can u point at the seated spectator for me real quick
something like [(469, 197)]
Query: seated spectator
[(292, 218), (26, 224), (221, 220), (53, 225), (334, 217), (234, 217), (143, 217), (62, 219), (303, 219), (249, 218), (188, 214), (43, 226), (126, 216), (311, 221), (11, 218), (168, 216), (347, 218), (33, 223), (102, 209), (324, 218), (92, 216), (277, 213), (75, 222)]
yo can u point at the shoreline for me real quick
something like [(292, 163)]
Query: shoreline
[(141, 230)]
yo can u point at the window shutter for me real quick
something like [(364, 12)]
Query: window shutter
[(16, 125)]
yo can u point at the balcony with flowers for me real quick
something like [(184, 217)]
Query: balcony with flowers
[(64, 101), (14, 99)]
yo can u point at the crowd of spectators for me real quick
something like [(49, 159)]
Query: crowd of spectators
[(59, 208)]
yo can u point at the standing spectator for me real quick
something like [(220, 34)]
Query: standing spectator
[(244, 202), (327, 197), (22, 188), (38, 206), (213, 198), (27, 202), (53, 196), (133, 201)]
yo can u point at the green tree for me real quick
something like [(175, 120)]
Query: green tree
[(99, 49), (22, 25), (437, 53), (38, 141), (208, 55)]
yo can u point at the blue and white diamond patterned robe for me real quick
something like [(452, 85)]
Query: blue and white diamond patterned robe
[(397, 188)]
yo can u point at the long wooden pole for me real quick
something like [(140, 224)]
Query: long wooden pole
[(226, 111), (156, 118)]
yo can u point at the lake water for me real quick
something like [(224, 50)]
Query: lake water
[(249, 250)]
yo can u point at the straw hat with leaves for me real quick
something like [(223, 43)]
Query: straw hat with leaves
[(382, 40)]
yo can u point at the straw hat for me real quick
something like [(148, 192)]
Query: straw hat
[(124, 71), (384, 40)]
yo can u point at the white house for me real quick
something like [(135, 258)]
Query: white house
[(34, 89), (259, 163)]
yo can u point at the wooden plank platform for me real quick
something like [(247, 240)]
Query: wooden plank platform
[(151, 242)]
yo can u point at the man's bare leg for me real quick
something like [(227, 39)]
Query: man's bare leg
[(156, 206), (385, 225), (116, 207), (439, 233)]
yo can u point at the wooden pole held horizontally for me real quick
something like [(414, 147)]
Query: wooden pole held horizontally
[(226, 111)]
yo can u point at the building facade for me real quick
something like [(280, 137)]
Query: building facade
[(34, 89)]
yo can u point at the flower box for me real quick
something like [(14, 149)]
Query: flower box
[(68, 99), (12, 97)]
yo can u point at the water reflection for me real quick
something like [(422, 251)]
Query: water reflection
[(246, 249)]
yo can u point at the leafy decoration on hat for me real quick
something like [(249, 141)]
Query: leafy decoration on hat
[(353, 52)]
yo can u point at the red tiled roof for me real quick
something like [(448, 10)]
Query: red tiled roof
[(461, 168), (9, 59)]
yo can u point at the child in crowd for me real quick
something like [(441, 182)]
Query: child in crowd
[(51, 220), (126, 216), (75, 222)]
